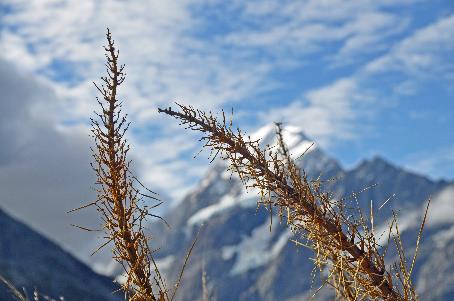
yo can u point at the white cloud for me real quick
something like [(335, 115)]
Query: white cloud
[(407, 87), (333, 112), (423, 53), (44, 171), (370, 32), (434, 162), (441, 208), (330, 112), (164, 62), (297, 28), (167, 60)]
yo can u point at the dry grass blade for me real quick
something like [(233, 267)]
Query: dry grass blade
[(340, 236), (186, 259), (14, 291), (418, 240), (23, 296), (205, 292)]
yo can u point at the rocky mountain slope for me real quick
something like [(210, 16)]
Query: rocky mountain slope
[(243, 260), (29, 260)]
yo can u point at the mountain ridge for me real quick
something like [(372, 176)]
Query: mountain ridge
[(244, 260)]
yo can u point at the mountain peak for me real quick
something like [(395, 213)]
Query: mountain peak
[(294, 137), (376, 163), (270, 130), (379, 160)]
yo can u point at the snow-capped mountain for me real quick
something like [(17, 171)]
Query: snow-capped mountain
[(245, 258), (29, 260)]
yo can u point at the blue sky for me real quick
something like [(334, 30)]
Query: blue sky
[(362, 78)]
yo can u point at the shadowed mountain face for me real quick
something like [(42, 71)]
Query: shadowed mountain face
[(29, 260), (244, 260)]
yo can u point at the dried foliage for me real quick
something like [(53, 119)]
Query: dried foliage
[(22, 296), (14, 291), (119, 199), (207, 293), (342, 238)]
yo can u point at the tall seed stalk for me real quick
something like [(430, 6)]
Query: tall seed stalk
[(118, 198), (342, 239)]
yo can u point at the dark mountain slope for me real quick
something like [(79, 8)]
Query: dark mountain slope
[(29, 260)]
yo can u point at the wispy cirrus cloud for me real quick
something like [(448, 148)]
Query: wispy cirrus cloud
[(425, 53), (165, 60), (435, 162), (334, 111), (172, 55), (346, 29)]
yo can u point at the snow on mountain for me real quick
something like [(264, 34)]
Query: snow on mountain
[(255, 250), (297, 144), (293, 137), (228, 201)]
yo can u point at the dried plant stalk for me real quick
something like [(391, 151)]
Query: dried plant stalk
[(342, 242), (14, 291), (118, 198), (22, 296)]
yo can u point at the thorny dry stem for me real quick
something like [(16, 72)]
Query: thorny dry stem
[(342, 239), (118, 200)]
